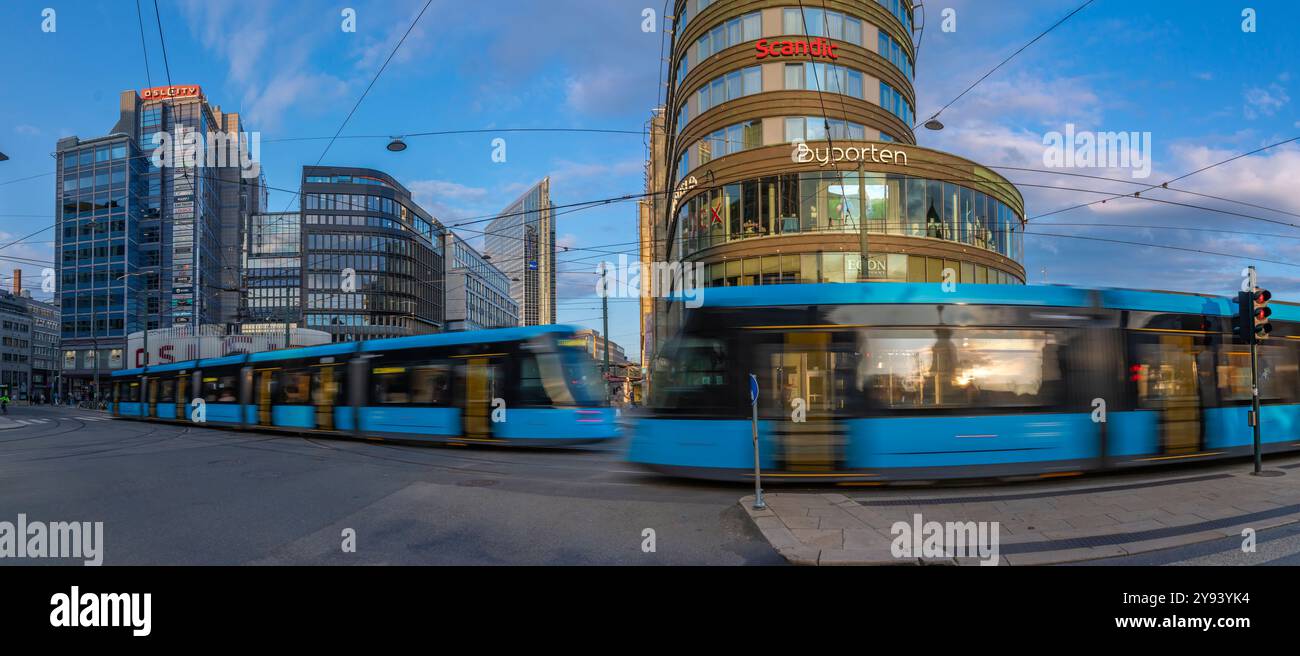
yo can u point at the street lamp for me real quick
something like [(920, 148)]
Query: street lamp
[(934, 123), (397, 145), (3, 157)]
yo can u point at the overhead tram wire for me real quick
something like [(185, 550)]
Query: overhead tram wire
[(365, 93), (1167, 182), (139, 18), (1143, 184), (1009, 58)]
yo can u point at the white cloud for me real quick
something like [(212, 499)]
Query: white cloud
[(1262, 101), (24, 128)]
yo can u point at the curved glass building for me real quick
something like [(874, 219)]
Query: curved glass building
[(792, 157)]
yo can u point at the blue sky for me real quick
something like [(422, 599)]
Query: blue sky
[(1182, 70)]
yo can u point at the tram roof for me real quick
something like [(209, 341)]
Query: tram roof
[(489, 336), (979, 294), (466, 337)]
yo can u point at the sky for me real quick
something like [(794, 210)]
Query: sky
[(1183, 71)]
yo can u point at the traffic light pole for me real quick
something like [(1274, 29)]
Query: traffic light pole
[(1254, 403)]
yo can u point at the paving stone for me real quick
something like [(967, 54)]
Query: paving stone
[(843, 520), (1090, 521), (795, 521), (867, 540), (821, 539)]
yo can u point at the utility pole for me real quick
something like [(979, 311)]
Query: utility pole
[(604, 312)]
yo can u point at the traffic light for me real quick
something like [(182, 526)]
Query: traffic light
[(1251, 323), (1260, 312), (1243, 326)]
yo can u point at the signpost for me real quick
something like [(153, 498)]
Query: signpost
[(758, 473)]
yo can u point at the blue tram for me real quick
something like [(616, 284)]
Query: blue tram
[(527, 386), (863, 382)]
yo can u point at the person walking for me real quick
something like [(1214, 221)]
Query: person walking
[(4, 402)]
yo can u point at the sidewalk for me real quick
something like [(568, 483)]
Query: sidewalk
[(1038, 524)]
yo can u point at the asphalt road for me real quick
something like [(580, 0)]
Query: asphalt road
[(183, 495)]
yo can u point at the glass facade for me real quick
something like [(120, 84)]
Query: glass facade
[(521, 242), (273, 268), (372, 258), (478, 293), (848, 266), (100, 240), (847, 202)]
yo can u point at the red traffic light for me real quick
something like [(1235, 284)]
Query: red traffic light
[(1261, 296)]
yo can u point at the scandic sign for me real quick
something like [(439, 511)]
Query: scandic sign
[(178, 91), (817, 48)]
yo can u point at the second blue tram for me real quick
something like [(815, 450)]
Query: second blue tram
[(527, 386), (864, 382)]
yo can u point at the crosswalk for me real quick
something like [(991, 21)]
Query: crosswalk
[(36, 422)]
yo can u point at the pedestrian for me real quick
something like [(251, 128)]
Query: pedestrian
[(4, 402)]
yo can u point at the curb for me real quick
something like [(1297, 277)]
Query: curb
[(872, 547)]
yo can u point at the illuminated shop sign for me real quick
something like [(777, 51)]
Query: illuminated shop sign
[(179, 91), (684, 186), (818, 47), (803, 153)]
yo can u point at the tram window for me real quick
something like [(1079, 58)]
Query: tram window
[(943, 368), (291, 388), (167, 391), (692, 375), (133, 393), (430, 385), (542, 378), (390, 385), (220, 389), (1279, 373)]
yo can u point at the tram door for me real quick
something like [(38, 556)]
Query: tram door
[(808, 389), (479, 387), (1170, 384), (262, 385), (151, 400)]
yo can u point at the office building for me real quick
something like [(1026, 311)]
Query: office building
[(373, 260), (478, 293), (521, 242)]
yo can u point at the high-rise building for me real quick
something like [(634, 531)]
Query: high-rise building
[(793, 157), (103, 248), (151, 218), (373, 260), (521, 242), (652, 229), (478, 293)]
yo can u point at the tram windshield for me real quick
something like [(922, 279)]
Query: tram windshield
[(581, 374)]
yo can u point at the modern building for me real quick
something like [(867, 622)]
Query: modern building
[(478, 293), (15, 346), (652, 233), (521, 242), (596, 347), (272, 267), (790, 137), (373, 260), (150, 224), (45, 347)]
